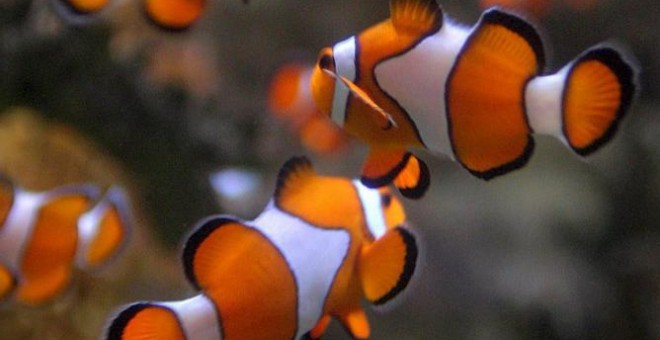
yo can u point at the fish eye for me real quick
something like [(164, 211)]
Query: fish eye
[(326, 61), (386, 200)]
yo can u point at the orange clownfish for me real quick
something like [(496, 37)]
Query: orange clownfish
[(319, 247), (174, 15), (43, 234), (476, 94), (290, 98)]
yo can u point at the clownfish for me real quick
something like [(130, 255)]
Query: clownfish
[(44, 234), (320, 246), (174, 15), (476, 94), (290, 99)]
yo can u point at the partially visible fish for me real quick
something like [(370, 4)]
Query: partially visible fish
[(290, 99), (43, 234), (319, 247)]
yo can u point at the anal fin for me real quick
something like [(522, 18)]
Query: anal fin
[(356, 323), (320, 327)]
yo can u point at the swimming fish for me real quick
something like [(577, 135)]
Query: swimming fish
[(174, 15), (43, 234), (320, 246), (476, 94), (290, 99)]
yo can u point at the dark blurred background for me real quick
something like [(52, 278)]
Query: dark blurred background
[(564, 248)]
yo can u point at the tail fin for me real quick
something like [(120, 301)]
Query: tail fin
[(145, 321), (104, 230), (194, 318), (599, 89)]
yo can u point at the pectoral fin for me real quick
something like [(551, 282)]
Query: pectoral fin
[(383, 119), (387, 265), (408, 173)]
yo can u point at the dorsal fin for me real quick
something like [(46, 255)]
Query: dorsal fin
[(416, 16), (295, 171)]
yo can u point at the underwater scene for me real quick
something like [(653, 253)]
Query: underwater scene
[(290, 169)]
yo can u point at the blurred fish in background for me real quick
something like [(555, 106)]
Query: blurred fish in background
[(290, 99), (562, 249), (174, 15), (66, 245), (45, 233)]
